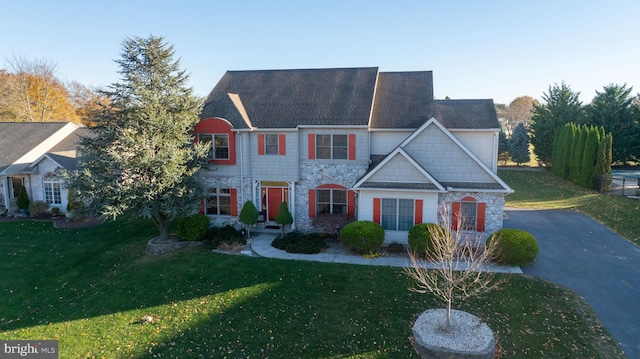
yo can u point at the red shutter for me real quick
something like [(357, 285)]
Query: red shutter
[(234, 202), (312, 203), (418, 212), (201, 208), (261, 144), (352, 147), (312, 146), (480, 220), (376, 210), (455, 215), (351, 204), (282, 144)]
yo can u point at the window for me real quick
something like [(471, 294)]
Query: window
[(331, 201), (219, 145), (271, 144), (397, 214), (52, 189), (331, 147), (218, 202), (468, 215)]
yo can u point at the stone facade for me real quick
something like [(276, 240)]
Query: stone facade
[(494, 211)]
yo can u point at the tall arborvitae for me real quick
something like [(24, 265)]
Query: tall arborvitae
[(589, 156)]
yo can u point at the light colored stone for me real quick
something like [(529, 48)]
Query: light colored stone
[(470, 337)]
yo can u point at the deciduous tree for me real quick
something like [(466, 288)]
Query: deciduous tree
[(143, 159)]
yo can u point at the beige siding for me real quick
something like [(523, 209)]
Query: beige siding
[(483, 144), (444, 159), (398, 169), (383, 142)]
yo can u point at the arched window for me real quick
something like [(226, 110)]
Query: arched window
[(52, 186), (468, 214)]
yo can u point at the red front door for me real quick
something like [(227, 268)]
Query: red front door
[(271, 199)]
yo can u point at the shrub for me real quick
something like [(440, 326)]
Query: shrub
[(420, 242), (362, 236), (193, 228), (225, 235), (55, 211), (296, 242), (23, 199), (38, 208), (515, 247), (330, 223)]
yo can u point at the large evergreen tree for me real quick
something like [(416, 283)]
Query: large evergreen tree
[(613, 109), (519, 145), (561, 106), (142, 158)]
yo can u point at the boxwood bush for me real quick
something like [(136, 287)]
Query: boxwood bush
[(362, 236), (514, 247), (296, 242), (193, 228), (419, 239)]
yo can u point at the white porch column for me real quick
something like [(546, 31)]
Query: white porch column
[(292, 202)]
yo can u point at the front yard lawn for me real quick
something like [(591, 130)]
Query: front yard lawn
[(87, 287)]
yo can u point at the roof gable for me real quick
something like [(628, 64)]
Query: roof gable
[(385, 174)]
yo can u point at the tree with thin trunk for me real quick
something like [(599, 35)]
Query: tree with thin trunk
[(142, 158), (458, 259), (283, 216), (248, 216)]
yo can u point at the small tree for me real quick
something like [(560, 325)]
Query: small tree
[(519, 145), (23, 199), (458, 265), (248, 216), (283, 216)]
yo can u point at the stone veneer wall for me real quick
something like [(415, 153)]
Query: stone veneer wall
[(317, 174), (494, 212), (210, 181)]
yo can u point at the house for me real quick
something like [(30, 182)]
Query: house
[(375, 145), (31, 154)]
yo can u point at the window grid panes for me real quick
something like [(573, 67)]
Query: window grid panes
[(218, 202), (271, 144), (331, 147), (52, 193), (397, 214), (219, 145), (468, 215), (331, 201)]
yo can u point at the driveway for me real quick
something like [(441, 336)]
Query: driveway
[(585, 256)]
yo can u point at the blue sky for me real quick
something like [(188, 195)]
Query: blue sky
[(476, 49)]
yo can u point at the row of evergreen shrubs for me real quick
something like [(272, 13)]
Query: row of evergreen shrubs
[(515, 247)]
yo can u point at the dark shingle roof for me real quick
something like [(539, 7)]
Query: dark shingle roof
[(401, 99), (348, 96), (288, 98), (18, 138), (70, 142)]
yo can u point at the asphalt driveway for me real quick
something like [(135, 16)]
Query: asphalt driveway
[(585, 256)]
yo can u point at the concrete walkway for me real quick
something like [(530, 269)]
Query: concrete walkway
[(581, 254), (261, 245)]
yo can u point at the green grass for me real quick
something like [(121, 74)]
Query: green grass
[(85, 287), (542, 190)]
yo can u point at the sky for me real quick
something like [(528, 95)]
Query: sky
[(476, 49)]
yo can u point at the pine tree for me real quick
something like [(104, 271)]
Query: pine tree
[(283, 216), (142, 158), (519, 145), (248, 215), (561, 106)]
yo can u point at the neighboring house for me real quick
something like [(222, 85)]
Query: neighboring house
[(374, 145), (31, 153)]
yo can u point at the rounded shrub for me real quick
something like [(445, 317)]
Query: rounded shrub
[(514, 247), (362, 236), (419, 239), (225, 235), (295, 242), (193, 228)]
